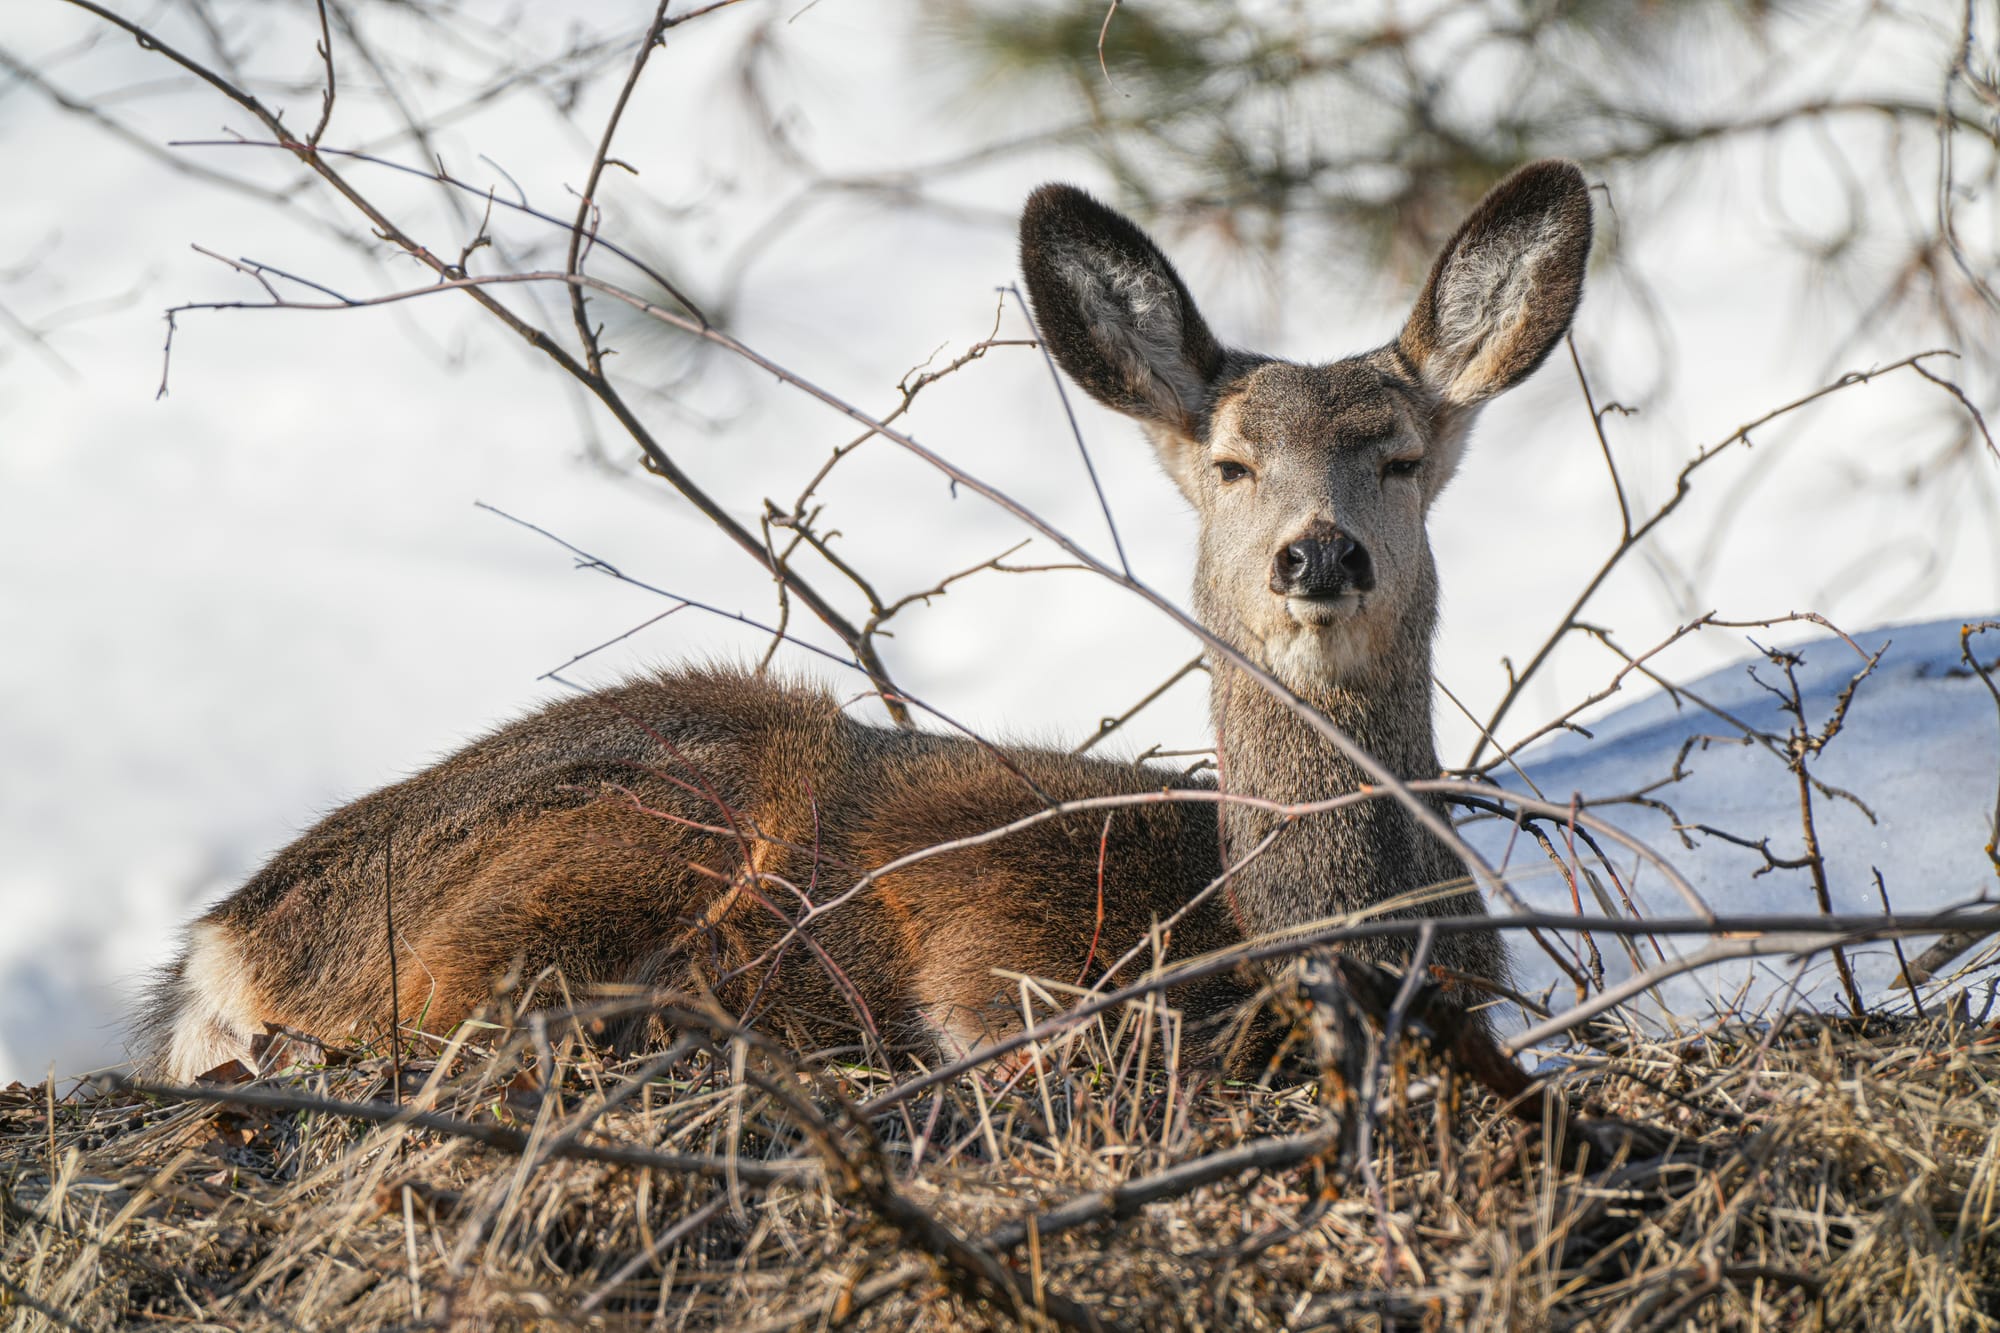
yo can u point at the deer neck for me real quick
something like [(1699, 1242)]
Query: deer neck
[(1347, 858)]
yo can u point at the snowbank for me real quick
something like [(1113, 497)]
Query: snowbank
[(1920, 748)]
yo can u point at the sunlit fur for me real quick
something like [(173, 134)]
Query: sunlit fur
[(667, 833)]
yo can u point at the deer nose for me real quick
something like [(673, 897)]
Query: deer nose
[(1322, 566)]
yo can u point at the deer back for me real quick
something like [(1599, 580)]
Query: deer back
[(666, 836)]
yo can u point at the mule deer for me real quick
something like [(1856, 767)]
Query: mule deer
[(665, 832)]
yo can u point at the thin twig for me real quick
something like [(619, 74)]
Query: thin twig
[(498, 1137), (1635, 535)]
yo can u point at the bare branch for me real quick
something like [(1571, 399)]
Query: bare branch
[(1635, 535)]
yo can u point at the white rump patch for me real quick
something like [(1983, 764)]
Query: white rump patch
[(215, 1009)]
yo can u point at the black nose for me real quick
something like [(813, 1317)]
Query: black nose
[(1324, 566)]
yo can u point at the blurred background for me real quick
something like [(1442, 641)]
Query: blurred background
[(227, 607)]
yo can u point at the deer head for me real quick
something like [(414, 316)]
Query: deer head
[(1312, 482)]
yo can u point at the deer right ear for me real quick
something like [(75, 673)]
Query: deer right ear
[(1113, 312)]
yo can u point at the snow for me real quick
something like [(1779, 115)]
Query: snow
[(226, 612), (1920, 746)]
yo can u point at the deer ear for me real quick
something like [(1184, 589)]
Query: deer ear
[(1113, 312), (1505, 287)]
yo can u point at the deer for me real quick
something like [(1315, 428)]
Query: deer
[(672, 832)]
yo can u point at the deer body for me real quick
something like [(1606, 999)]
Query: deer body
[(645, 835), (668, 833)]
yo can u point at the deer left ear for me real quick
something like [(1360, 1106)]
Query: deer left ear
[(1505, 287)]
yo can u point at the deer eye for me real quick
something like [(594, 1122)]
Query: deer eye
[(1231, 471), (1401, 467)]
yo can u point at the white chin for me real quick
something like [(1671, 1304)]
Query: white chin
[(1328, 644), (1319, 613)]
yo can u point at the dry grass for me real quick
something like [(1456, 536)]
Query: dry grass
[(1827, 1174)]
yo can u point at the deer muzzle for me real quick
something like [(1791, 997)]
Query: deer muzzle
[(1322, 566)]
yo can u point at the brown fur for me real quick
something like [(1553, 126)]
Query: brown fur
[(666, 833)]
